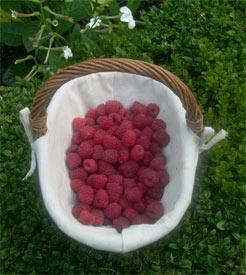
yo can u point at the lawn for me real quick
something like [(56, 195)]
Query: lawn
[(203, 42)]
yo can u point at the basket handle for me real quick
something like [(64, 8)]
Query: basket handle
[(38, 116)]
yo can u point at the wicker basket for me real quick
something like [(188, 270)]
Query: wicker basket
[(189, 136)]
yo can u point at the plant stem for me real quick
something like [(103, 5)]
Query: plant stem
[(48, 52), (64, 17)]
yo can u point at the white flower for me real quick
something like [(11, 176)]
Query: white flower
[(67, 52), (94, 22), (126, 16), (55, 23), (13, 14)]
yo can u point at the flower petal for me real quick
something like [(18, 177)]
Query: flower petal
[(131, 23), (125, 10), (125, 18)]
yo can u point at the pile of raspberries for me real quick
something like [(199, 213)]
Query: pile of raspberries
[(116, 166)]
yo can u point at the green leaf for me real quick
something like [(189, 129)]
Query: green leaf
[(134, 4), (5, 17), (221, 225)]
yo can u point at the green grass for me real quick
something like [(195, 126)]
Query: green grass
[(207, 53)]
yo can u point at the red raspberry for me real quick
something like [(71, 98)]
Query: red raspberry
[(138, 108), (111, 142), (161, 137), (137, 152), (129, 168), (110, 156), (147, 132), (98, 152), (85, 150), (140, 206), (153, 109), (78, 173), (158, 124), (89, 121), (105, 122), (91, 113), (87, 132), (129, 183), (145, 142), (98, 216), (120, 223), (76, 138), (112, 106), (142, 186), (141, 219), (107, 221), (77, 208), (76, 184), (138, 132), (106, 168), (72, 148), (155, 210), (155, 147), (147, 158), (140, 121), (129, 138), (124, 126), (133, 194), (90, 165), (149, 177), (101, 110), (86, 194), (78, 123), (112, 130), (156, 192), (130, 213), (115, 179), (158, 163), (164, 177), (101, 199), (113, 210), (97, 181), (125, 203), (123, 155), (114, 191), (123, 112), (73, 160), (99, 136), (116, 118), (86, 217)]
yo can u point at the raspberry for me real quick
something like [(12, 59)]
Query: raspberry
[(155, 192), (91, 113), (125, 203), (123, 112), (99, 136), (147, 132), (130, 213), (164, 177), (129, 138), (106, 168), (98, 152), (78, 173), (123, 155), (110, 156), (86, 194), (86, 217), (149, 177), (133, 194), (113, 210), (90, 165), (98, 216), (112, 130), (141, 219), (161, 137), (155, 147), (115, 179), (147, 158), (116, 118), (145, 142), (78, 208), (107, 221), (137, 152), (140, 206), (153, 109), (114, 191), (85, 150), (76, 138), (111, 142), (101, 199), (89, 121), (97, 181), (73, 160), (155, 210), (87, 132), (143, 187), (76, 184), (112, 106), (137, 132), (129, 168), (158, 124), (129, 183), (72, 149), (120, 223), (78, 123), (124, 126), (105, 122), (158, 163), (101, 110), (138, 108), (140, 121)]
